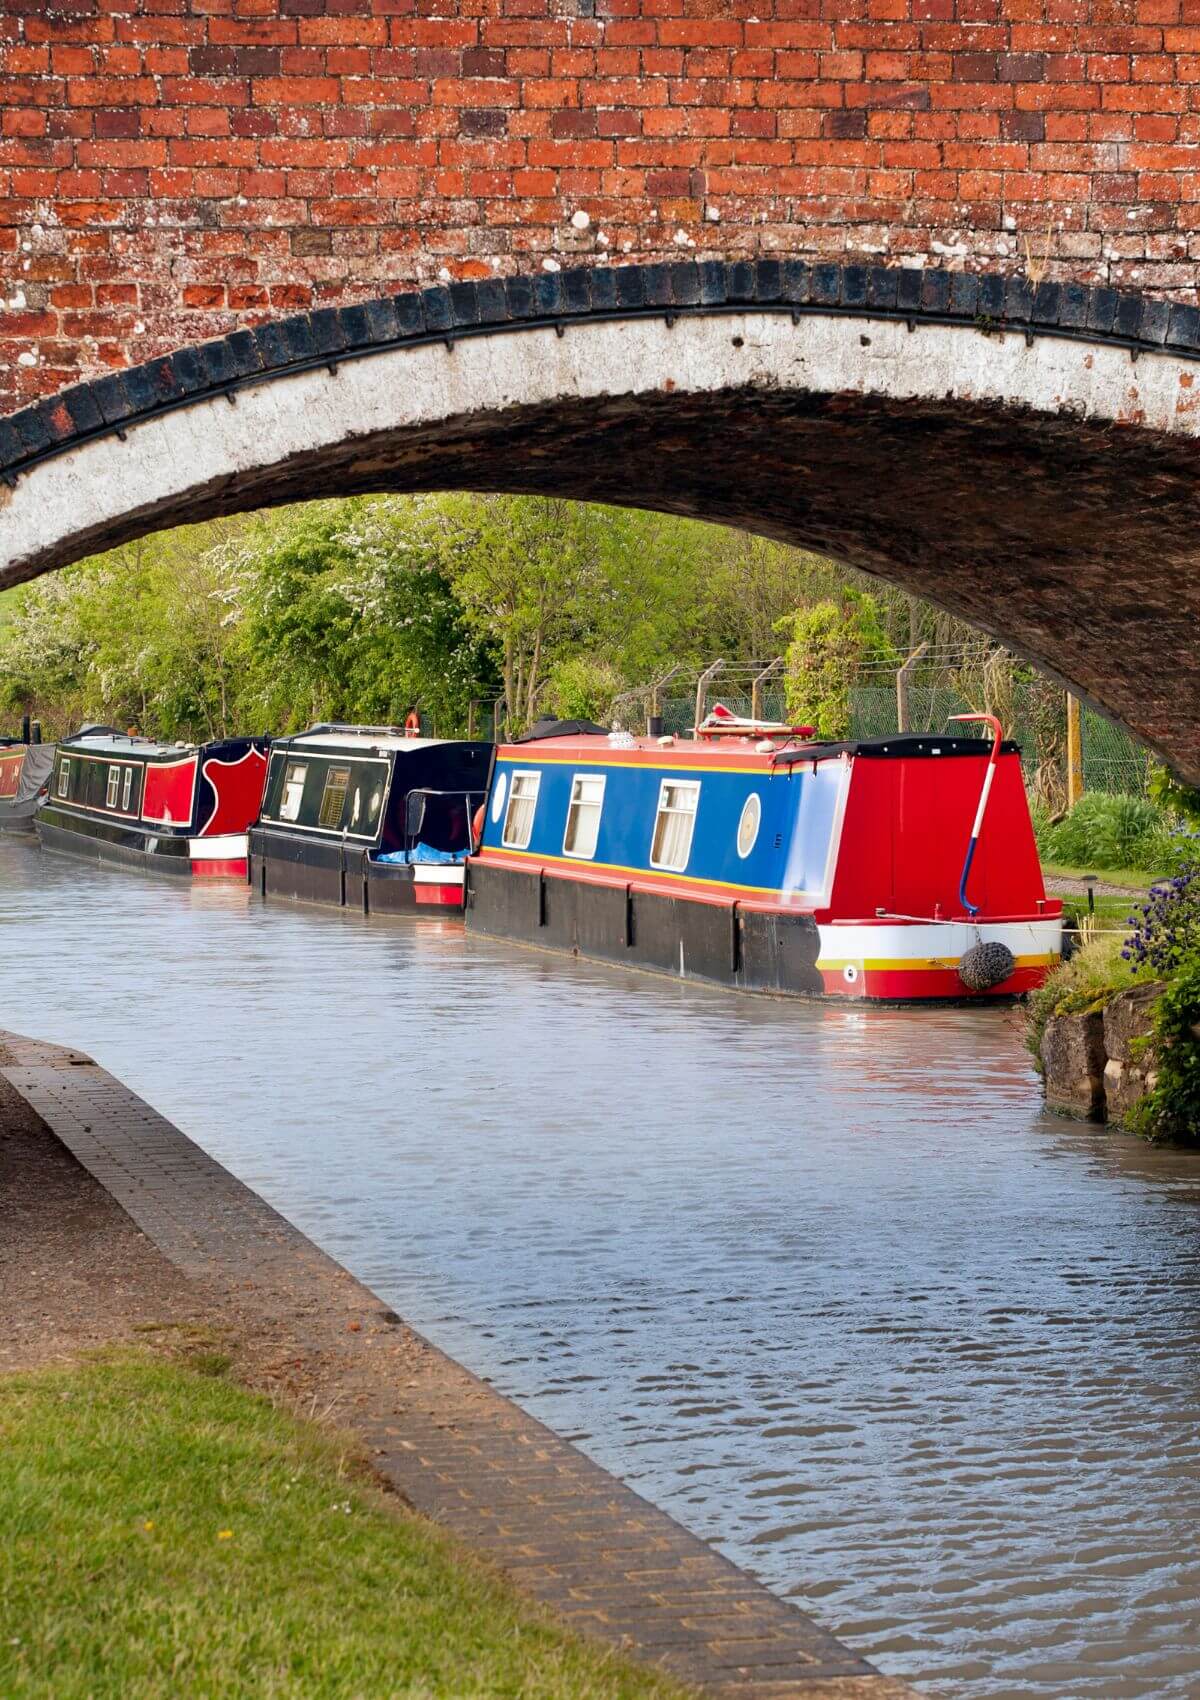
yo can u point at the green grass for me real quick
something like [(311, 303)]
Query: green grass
[(164, 1533)]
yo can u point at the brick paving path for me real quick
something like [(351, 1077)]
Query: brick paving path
[(603, 1558)]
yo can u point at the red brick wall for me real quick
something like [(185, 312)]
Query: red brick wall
[(170, 168)]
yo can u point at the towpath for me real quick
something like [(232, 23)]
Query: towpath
[(124, 1227)]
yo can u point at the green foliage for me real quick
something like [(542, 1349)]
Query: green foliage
[(829, 642), (1173, 796), (579, 689), (1171, 1111), (168, 1534), (1105, 831), (362, 609)]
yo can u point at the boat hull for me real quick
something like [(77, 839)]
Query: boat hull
[(754, 949), (173, 855), (308, 870)]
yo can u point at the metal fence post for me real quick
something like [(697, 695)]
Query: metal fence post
[(902, 676), (708, 674)]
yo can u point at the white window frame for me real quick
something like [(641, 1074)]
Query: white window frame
[(64, 778), (576, 803), (534, 773), (126, 790), (284, 800), (692, 786), (112, 790)]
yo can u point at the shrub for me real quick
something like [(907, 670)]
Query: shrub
[(1105, 831), (1172, 1109), (582, 689)]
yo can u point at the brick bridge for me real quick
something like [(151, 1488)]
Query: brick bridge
[(909, 281)]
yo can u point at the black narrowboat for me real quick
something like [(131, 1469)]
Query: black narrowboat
[(180, 809), (375, 818)]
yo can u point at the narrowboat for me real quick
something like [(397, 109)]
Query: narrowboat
[(376, 818), (24, 775), (181, 809), (758, 857)]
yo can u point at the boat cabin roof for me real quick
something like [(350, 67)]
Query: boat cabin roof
[(356, 740), (752, 750), (107, 741)]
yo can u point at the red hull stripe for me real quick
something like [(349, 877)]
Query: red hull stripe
[(906, 985), (231, 870), (445, 896)]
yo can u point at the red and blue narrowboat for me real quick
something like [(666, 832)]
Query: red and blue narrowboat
[(376, 818), (181, 809), (757, 857)]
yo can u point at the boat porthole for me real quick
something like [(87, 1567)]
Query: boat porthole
[(498, 796), (376, 799), (357, 809), (850, 973), (747, 831)]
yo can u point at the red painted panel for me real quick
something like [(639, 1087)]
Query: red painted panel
[(442, 896), (233, 868), (10, 773), (238, 787), (905, 838), (167, 799)]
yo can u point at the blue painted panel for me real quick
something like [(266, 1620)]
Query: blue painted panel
[(789, 852)]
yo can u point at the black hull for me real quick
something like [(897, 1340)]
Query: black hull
[(17, 817), (720, 944), (120, 846), (306, 870)]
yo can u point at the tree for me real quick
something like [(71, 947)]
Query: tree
[(829, 642)]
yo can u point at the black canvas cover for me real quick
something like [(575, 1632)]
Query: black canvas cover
[(561, 729)]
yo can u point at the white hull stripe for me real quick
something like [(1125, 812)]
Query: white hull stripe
[(437, 873), (226, 848), (926, 944)]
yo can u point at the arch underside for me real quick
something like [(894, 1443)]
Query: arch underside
[(1068, 534)]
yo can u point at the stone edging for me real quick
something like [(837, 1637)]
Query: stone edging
[(327, 336), (605, 1560)]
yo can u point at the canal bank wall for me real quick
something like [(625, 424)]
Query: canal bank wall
[(572, 1536)]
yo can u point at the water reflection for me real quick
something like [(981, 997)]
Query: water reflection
[(825, 1283)]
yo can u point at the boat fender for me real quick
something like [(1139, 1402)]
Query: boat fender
[(985, 966)]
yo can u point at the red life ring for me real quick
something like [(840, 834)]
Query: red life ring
[(412, 724), (477, 827)]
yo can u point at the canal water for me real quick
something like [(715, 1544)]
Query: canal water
[(827, 1284)]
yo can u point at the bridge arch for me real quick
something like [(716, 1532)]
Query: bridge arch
[(1025, 457)]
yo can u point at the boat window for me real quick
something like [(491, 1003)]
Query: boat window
[(747, 832), (674, 824), (114, 786), (64, 777), (522, 804), (293, 790), (333, 798), (127, 789), (583, 815)]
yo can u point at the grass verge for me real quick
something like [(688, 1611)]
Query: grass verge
[(167, 1534)]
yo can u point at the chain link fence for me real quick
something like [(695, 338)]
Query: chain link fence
[(1034, 714)]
